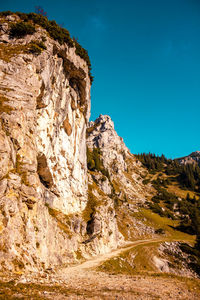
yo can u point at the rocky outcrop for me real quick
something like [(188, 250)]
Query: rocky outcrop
[(175, 259), (118, 176), (123, 169), (193, 158), (45, 107)]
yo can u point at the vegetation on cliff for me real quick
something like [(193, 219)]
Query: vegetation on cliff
[(94, 161), (27, 26)]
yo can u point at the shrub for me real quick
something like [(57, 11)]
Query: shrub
[(61, 35), (97, 160), (36, 47), (94, 162), (105, 173), (155, 199), (103, 178), (93, 159), (20, 29), (194, 258), (146, 181), (44, 39), (91, 206), (40, 44), (156, 208), (84, 55)]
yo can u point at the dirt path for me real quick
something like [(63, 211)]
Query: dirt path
[(95, 262), (84, 282)]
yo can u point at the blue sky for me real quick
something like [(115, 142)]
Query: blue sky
[(146, 63)]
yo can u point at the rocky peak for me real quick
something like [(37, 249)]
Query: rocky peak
[(115, 173), (196, 153), (104, 120), (116, 158), (101, 134), (192, 158)]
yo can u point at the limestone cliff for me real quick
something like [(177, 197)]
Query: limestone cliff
[(44, 110)]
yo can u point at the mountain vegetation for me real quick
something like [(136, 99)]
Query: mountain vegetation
[(94, 161), (186, 177)]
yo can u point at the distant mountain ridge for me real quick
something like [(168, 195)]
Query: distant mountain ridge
[(192, 158)]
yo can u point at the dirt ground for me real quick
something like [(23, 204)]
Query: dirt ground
[(83, 281)]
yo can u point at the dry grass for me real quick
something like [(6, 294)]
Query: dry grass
[(11, 290), (92, 203), (168, 225), (63, 221), (175, 189), (9, 51), (4, 107)]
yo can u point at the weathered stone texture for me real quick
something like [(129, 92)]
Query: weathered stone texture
[(43, 169)]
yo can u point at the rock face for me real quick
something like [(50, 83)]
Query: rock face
[(121, 165), (101, 134), (44, 110), (53, 210), (181, 266), (119, 176), (193, 158)]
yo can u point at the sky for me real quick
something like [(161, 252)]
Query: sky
[(145, 59)]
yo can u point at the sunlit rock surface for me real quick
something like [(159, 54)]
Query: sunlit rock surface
[(45, 107)]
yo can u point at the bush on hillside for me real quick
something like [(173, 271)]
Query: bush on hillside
[(20, 29), (94, 162), (36, 47)]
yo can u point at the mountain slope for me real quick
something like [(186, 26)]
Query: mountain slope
[(118, 176), (147, 202)]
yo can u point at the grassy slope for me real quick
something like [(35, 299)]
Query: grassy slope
[(168, 225), (139, 259), (142, 254)]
